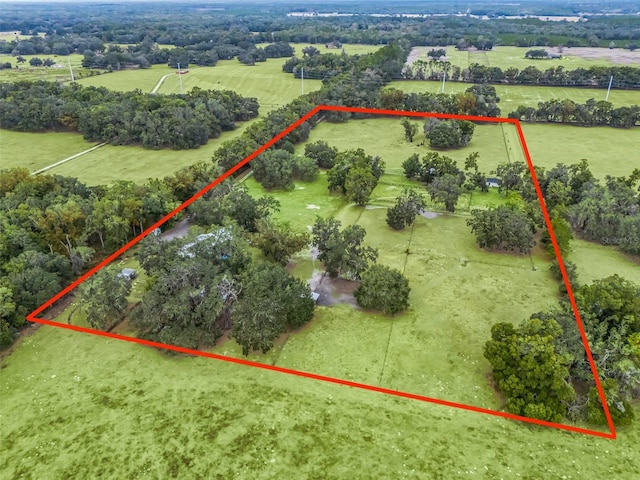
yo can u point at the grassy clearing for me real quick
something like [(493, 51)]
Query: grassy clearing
[(111, 163), (138, 413), (512, 96), (610, 151), (508, 56), (37, 150), (265, 81), (126, 80), (59, 73), (596, 261)]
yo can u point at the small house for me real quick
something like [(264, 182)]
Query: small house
[(493, 182), (315, 296)]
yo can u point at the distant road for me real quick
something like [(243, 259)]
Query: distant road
[(67, 159), (160, 82)]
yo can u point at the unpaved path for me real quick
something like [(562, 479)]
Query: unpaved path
[(160, 82), (179, 231), (37, 172)]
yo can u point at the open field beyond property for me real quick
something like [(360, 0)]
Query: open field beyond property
[(512, 96), (508, 56), (125, 405)]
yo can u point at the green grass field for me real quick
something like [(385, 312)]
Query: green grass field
[(508, 56), (37, 150), (264, 81), (349, 49), (58, 73), (111, 409), (512, 96), (110, 163)]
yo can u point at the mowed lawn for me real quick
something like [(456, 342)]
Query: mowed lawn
[(111, 163), (37, 150), (512, 96), (265, 81)]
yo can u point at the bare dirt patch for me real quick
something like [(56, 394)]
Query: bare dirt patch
[(615, 55), (332, 290)]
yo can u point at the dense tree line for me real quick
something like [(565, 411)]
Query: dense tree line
[(624, 77), (123, 118), (542, 368), (590, 113)]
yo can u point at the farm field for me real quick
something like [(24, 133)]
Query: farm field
[(512, 96), (37, 150), (111, 163), (27, 72), (349, 49), (126, 80), (264, 81), (458, 292), (134, 412), (509, 56)]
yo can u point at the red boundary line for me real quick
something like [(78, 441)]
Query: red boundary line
[(32, 317)]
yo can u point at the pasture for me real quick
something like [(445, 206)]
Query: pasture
[(107, 408), (136, 412), (58, 72), (509, 56), (37, 150), (512, 96)]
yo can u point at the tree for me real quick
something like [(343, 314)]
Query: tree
[(562, 231), (103, 297), (278, 242), (537, 54), (404, 212), (35, 62), (246, 210), (271, 300), (449, 133), (529, 370), (410, 129), (446, 189), (342, 252), (383, 288), (322, 153), (511, 174), (310, 51), (502, 227), (412, 166), (358, 185)]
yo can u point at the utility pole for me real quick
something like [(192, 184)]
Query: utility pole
[(609, 88), (443, 80), (302, 78), (180, 78)]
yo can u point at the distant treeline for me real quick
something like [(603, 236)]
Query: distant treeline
[(183, 25), (596, 77), (123, 118), (590, 113)]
